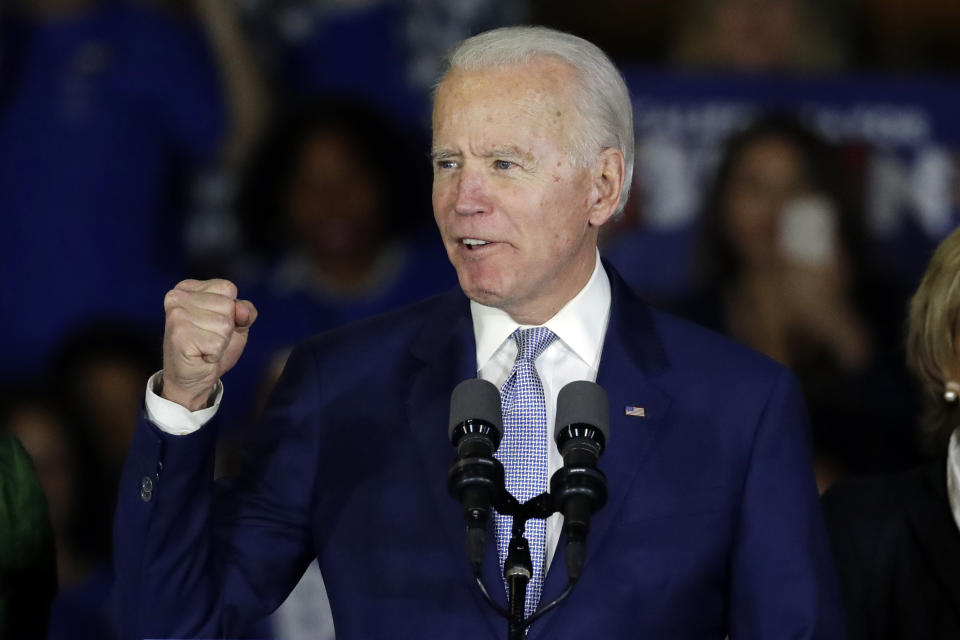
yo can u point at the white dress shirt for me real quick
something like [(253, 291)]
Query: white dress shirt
[(580, 327), (175, 418), (953, 475)]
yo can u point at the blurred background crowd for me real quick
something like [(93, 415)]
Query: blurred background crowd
[(797, 163)]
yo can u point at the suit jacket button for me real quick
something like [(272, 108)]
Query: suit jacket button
[(146, 488)]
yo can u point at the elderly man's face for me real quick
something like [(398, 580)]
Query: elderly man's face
[(518, 220)]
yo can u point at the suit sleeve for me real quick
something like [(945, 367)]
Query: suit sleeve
[(783, 582), (199, 559)]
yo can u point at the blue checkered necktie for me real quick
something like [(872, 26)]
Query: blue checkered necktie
[(523, 450)]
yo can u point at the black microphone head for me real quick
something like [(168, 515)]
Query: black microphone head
[(475, 400), (583, 403)]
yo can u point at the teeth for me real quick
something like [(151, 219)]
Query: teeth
[(473, 242)]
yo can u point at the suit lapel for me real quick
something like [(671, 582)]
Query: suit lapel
[(632, 353), (444, 354)]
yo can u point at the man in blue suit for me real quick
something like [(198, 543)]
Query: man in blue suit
[(712, 526)]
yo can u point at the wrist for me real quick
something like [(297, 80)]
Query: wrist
[(192, 399)]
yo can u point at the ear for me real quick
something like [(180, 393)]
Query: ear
[(607, 176)]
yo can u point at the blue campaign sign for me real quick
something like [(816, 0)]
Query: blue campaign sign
[(908, 126)]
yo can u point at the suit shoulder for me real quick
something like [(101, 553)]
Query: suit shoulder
[(691, 347), (385, 333)]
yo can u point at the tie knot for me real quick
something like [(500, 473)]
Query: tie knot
[(532, 342)]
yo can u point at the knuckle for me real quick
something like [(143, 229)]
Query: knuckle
[(175, 314), (171, 299), (224, 288), (222, 306), (224, 325), (186, 285)]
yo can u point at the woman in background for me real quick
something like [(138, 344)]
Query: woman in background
[(783, 269), (336, 229), (896, 539)]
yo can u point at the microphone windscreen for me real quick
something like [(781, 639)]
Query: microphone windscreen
[(583, 402), (475, 399)]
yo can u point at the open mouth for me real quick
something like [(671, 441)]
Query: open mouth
[(473, 243)]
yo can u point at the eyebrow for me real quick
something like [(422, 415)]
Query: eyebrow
[(508, 152), (443, 154)]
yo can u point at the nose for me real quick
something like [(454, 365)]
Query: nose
[(472, 193)]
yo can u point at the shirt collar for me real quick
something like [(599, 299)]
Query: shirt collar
[(580, 324), (953, 475)]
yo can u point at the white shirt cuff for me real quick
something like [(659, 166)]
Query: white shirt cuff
[(174, 418)]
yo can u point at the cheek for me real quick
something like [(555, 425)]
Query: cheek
[(564, 212), (440, 198), (444, 189), (746, 213)]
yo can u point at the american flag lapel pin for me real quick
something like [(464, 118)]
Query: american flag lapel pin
[(631, 410)]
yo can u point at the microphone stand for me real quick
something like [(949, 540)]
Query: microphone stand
[(518, 568)]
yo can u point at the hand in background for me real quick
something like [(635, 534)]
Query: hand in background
[(819, 305)]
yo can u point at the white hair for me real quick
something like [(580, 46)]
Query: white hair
[(601, 97)]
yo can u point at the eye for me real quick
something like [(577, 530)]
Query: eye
[(503, 165), (446, 164)]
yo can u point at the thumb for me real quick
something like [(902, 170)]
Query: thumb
[(244, 315)]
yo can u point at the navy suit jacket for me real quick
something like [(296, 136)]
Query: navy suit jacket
[(712, 526)]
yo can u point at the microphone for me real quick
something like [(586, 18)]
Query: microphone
[(578, 488), (476, 478)]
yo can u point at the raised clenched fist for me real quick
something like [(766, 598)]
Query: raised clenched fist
[(205, 333)]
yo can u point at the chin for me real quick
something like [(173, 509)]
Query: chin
[(481, 295), (477, 278), (479, 292)]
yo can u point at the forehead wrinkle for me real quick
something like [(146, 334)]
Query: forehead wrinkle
[(543, 92)]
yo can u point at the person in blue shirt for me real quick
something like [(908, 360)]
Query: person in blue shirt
[(105, 107)]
